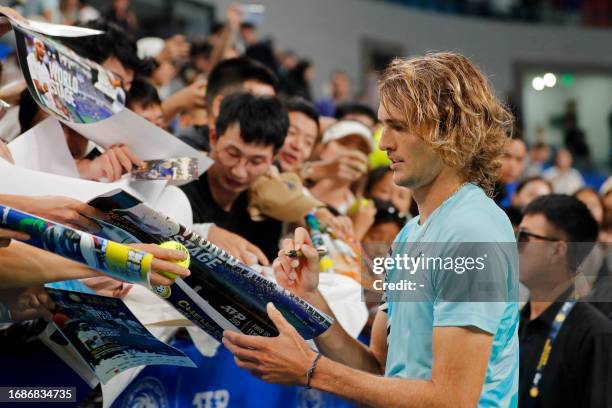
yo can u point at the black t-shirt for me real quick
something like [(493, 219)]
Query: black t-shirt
[(579, 369), (265, 234), (197, 137), (601, 293)]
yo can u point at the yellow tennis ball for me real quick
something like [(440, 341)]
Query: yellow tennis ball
[(378, 158), (364, 202), (179, 247)]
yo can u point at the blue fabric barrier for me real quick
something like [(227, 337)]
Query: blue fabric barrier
[(216, 383)]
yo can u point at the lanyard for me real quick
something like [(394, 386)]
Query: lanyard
[(560, 318)]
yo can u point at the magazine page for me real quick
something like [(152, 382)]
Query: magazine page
[(236, 292), (57, 30), (89, 99), (19, 181), (144, 139), (43, 148), (113, 388), (59, 344), (65, 85), (108, 336)]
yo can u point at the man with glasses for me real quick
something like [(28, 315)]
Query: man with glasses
[(566, 344), (249, 131)]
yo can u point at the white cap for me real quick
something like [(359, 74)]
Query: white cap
[(345, 128), (149, 46)]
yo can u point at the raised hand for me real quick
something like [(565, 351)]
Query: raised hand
[(299, 275)]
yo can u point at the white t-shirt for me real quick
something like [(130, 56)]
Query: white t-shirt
[(564, 183)]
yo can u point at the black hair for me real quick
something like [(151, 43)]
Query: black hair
[(297, 104), (528, 180), (263, 120), (387, 212), (356, 109), (539, 145), (247, 25), (216, 28), (514, 215), (142, 93), (201, 48), (114, 42), (296, 82), (374, 177), (28, 108), (573, 218), (233, 73)]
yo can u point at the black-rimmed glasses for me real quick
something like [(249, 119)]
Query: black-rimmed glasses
[(523, 236)]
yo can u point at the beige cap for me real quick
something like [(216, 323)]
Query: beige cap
[(281, 198), (346, 128)]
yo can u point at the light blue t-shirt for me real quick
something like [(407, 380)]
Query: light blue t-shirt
[(468, 216)]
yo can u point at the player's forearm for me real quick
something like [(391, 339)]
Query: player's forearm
[(23, 265), (338, 345), (377, 391)]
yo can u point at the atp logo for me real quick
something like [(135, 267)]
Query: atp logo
[(310, 398), (148, 393), (211, 399), (233, 312)]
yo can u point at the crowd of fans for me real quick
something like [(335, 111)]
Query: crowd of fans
[(278, 154)]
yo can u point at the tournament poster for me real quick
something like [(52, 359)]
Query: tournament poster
[(107, 336), (65, 85)]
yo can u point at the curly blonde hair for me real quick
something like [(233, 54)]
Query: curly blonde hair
[(446, 94)]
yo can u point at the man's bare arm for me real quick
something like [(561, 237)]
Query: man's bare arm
[(335, 343), (460, 359), (339, 346), (22, 265)]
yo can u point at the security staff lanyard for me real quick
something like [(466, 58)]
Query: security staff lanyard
[(534, 391)]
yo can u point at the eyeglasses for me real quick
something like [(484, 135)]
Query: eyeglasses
[(523, 236), (230, 156)]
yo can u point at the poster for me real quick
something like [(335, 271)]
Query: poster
[(89, 99), (107, 336), (65, 85), (221, 293)]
